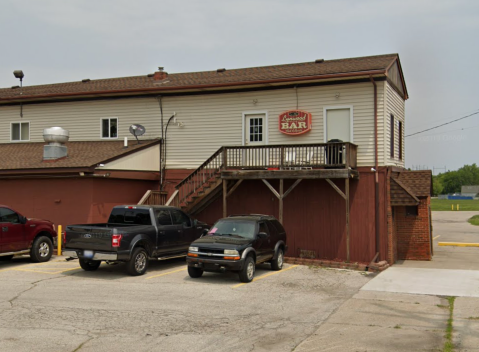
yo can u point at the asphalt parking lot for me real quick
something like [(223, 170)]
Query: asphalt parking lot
[(56, 306)]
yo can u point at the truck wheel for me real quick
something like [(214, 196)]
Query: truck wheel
[(247, 273), (138, 263), (89, 265), (277, 264), (6, 258), (195, 272), (42, 250)]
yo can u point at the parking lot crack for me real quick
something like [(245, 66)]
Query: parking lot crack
[(82, 344), (33, 285)]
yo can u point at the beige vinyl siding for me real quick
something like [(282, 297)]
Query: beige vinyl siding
[(395, 105), (83, 119), (211, 120), (144, 160)]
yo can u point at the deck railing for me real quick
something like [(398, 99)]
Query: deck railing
[(267, 157)]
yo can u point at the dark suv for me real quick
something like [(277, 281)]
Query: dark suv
[(237, 243)]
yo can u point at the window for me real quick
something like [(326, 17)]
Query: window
[(7, 215), (400, 139), (391, 126), (163, 217), (411, 210), (109, 128), (20, 131), (263, 228), (180, 218)]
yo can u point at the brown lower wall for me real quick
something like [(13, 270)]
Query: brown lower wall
[(315, 215), (68, 201)]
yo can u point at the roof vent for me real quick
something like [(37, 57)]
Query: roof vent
[(85, 80), (318, 61), (150, 75), (55, 137), (221, 70)]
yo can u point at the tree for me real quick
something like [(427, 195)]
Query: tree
[(452, 181)]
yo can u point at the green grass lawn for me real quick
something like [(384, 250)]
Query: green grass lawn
[(445, 204), (474, 220)]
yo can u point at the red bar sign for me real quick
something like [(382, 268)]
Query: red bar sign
[(294, 122)]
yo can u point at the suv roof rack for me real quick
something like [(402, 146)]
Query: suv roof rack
[(260, 215)]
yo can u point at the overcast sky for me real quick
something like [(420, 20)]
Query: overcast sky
[(437, 41)]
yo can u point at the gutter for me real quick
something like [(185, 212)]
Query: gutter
[(376, 165), (199, 87)]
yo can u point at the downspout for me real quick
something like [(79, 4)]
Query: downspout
[(162, 142), (376, 172)]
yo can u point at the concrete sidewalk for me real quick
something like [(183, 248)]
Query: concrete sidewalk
[(441, 282), (379, 321)]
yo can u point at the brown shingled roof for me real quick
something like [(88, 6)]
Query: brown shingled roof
[(194, 80), (29, 156), (419, 182), (408, 185)]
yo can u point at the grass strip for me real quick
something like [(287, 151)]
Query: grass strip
[(448, 345), (474, 220), (449, 204)]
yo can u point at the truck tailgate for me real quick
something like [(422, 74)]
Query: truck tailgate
[(89, 237)]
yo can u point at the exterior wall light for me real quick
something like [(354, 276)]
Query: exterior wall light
[(19, 74)]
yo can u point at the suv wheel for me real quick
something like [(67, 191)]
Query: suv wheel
[(138, 263), (89, 265), (42, 250), (247, 273), (195, 272), (277, 264)]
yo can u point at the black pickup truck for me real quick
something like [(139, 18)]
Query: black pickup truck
[(133, 234)]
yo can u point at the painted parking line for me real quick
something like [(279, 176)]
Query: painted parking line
[(46, 272), (436, 237), (264, 276), (458, 244), (167, 273)]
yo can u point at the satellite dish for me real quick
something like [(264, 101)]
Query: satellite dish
[(137, 130)]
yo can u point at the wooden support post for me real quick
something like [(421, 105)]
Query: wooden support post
[(225, 194), (347, 220), (281, 200)]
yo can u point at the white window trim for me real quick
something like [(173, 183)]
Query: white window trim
[(243, 125), (20, 140), (117, 127), (351, 120)]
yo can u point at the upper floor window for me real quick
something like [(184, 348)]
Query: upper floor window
[(109, 128), (20, 131), (400, 139), (391, 127)]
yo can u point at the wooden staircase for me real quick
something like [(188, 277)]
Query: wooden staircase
[(201, 187)]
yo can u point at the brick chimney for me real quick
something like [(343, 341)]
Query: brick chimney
[(160, 74)]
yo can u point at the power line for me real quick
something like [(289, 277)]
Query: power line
[(444, 124), (448, 131)]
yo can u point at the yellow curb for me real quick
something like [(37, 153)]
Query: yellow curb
[(458, 244), (270, 274)]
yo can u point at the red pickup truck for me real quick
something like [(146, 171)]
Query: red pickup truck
[(19, 235)]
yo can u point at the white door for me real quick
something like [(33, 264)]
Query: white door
[(255, 136), (255, 133), (338, 125)]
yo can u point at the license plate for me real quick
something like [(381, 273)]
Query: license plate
[(88, 254)]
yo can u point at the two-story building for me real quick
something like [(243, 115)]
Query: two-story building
[(320, 145)]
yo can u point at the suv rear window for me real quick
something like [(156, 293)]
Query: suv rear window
[(130, 216)]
